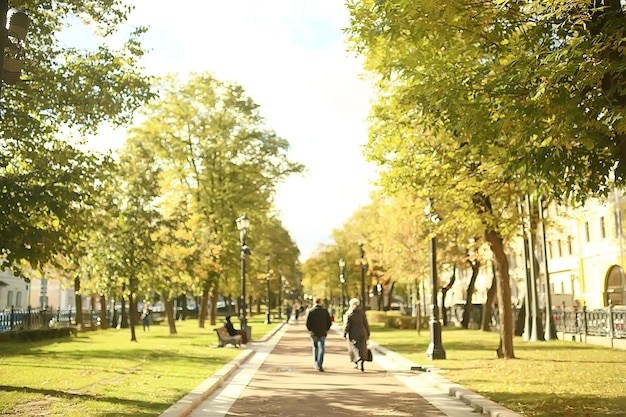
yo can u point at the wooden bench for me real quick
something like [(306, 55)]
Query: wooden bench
[(224, 338)]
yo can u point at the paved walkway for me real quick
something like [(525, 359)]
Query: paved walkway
[(275, 377)]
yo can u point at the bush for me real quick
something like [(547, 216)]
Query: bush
[(401, 322), (38, 334), (374, 316), (391, 319)]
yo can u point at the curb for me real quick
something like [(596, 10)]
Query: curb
[(479, 403), (185, 405), (189, 402)]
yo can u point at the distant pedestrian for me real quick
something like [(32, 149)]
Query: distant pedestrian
[(232, 331), (357, 331), (145, 319), (318, 323), (331, 311)]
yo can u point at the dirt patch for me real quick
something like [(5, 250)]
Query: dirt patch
[(35, 408)]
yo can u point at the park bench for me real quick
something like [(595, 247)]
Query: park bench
[(224, 338)]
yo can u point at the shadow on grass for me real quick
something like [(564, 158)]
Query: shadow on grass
[(150, 408), (549, 405)]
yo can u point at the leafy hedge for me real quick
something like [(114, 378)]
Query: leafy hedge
[(37, 334), (392, 319)]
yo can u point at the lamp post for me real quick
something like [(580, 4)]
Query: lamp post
[(435, 347), (363, 269), (280, 290), (342, 281), (550, 330), (242, 224), (268, 319), (14, 25)]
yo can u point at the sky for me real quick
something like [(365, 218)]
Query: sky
[(290, 56)]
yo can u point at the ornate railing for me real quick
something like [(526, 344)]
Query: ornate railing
[(607, 322), (42, 319)]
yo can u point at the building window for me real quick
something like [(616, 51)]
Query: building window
[(587, 233), (602, 228), (559, 247), (18, 299), (10, 299), (617, 222), (550, 255), (570, 245)]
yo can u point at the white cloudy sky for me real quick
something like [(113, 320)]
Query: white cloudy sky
[(290, 56)]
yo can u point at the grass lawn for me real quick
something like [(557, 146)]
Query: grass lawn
[(102, 373), (548, 379)]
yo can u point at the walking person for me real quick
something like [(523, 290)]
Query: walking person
[(318, 323), (357, 330), (145, 319)]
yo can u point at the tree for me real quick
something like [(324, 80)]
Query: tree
[(433, 124), (43, 178), (541, 82), (134, 216), (219, 160)]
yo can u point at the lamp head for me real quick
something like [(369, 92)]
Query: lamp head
[(430, 212), (243, 222), (18, 23)]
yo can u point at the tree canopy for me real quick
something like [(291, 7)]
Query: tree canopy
[(44, 179)]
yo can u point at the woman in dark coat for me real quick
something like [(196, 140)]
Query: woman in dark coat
[(357, 330)]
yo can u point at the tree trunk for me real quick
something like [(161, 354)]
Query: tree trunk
[(214, 299), (78, 299), (444, 291), (467, 311), (132, 305), (169, 313), (104, 324), (505, 310), (204, 308), (184, 310), (491, 296), (482, 203)]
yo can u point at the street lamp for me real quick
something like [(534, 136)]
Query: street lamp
[(363, 269), (342, 280), (268, 319), (14, 23), (280, 290), (435, 347), (242, 224)]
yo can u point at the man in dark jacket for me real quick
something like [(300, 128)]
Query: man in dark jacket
[(318, 323)]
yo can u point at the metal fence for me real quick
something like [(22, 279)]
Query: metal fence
[(42, 319), (606, 322), (15, 319)]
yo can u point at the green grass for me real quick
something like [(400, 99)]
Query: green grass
[(548, 379), (102, 373)]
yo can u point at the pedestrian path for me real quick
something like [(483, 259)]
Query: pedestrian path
[(275, 377)]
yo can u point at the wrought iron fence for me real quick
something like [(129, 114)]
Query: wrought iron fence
[(606, 322), (42, 319)]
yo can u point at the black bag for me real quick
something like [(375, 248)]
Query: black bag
[(369, 355)]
